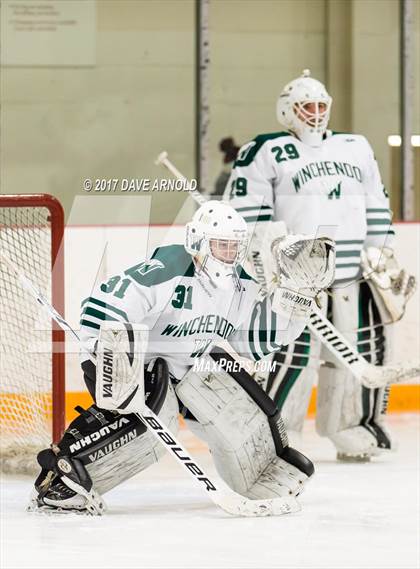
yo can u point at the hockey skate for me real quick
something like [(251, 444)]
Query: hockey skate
[(358, 444), (64, 486)]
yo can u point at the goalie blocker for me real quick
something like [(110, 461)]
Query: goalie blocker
[(102, 448)]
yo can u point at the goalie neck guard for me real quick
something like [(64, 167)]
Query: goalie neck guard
[(217, 239), (304, 108)]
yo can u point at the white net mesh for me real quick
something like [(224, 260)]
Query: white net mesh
[(25, 338)]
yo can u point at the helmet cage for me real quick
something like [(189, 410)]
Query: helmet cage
[(198, 244), (317, 120)]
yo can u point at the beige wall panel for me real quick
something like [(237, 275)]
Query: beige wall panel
[(279, 52), (257, 47), (146, 48), (375, 75), (416, 67), (60, 126), (158, 15), (267, 15), (376, 17), (338, 63), (114, 135)]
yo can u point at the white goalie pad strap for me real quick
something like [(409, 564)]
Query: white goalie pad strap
[(239, 437), (120, 374), (391, 286)]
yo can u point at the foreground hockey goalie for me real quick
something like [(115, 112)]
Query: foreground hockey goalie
[(187, 297)]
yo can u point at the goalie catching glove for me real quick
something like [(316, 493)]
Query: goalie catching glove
[(303, 267), (391, 285)]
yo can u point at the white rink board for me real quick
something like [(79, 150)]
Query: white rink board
[(95, 253)]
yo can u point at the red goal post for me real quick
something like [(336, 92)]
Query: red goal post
[(32, 412)]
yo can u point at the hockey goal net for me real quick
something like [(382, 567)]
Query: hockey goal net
[(32, 412)]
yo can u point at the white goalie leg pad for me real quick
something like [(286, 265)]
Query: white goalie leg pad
[(239, 436), (382, 394), (339, 410), (348, 413), (114, 463)]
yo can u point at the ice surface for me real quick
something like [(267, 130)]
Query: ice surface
[(354, 515)]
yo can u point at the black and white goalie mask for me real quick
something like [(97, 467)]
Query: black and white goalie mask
[(217, 238), (304, 108)]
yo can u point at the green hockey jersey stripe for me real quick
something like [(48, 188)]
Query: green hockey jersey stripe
[(346, 265), (389, 232), (252, 333), (348, 254), (106, 306), (259, 218), (262, 333), (378, 210), (98, 314), (378, 221), (274, 345), (254, 208), (350, 242), (89, 324)]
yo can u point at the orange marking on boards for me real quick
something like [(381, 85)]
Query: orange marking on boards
[(403, 398)]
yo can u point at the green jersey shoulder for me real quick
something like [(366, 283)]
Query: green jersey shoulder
[(282, 146), (249, 150), (165, 264)]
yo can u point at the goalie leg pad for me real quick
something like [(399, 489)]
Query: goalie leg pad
[(245, 434), (348, 413), (108, 447)]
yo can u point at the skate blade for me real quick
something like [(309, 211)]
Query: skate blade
[(43, 510), (343, 457)]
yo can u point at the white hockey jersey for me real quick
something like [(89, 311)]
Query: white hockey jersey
[(185, 313), (333, 190)]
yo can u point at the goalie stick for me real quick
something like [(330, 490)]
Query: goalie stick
[(227, 499), (368, 374)]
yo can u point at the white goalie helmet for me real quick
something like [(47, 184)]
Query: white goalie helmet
[(217, 237), (304, 108)]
